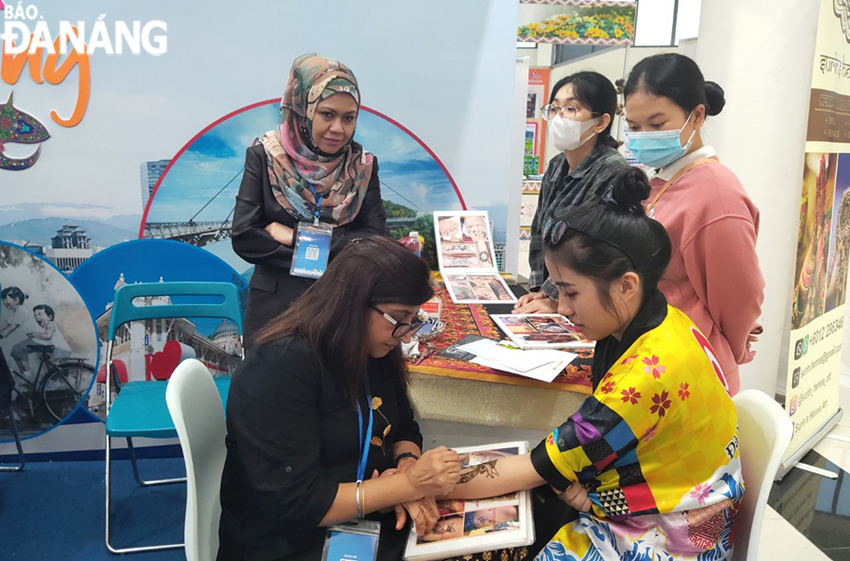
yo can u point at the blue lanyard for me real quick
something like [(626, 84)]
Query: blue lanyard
[(365, 439), (318, 203)]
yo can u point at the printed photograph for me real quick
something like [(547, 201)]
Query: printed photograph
[(464, 240), (48, 344), (836, 275), (813, 240), (151, 349), (478, 289), (540, 330), (195, 199), (464, 518), (531, 105)]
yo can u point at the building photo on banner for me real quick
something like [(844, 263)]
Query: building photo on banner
[(823, 242)]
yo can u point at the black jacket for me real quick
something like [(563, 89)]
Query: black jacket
[(563, 188), (272, 289), (292, 438)]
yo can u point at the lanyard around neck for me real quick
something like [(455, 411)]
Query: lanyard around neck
[(318, 200), (366, 438), (676, 178)]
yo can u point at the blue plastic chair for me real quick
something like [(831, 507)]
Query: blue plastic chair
[(140, 409)]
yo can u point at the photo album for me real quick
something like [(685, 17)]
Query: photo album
[(467, 259), (472, 526)]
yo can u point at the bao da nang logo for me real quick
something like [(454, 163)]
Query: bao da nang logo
[(55, 51), (842, 12)]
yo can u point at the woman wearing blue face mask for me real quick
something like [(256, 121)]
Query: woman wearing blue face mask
[(714, 275), (579, 114)]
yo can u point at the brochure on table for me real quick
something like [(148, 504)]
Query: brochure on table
[(541, 331), (466, 258), (472, 526)]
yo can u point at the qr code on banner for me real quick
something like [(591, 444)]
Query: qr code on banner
[(312, 253)]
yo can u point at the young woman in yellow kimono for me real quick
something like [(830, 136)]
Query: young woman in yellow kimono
[(655, 448)]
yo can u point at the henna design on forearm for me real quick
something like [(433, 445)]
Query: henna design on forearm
[(487, 468)]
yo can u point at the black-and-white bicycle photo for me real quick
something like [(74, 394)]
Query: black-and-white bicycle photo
[(48, 344)]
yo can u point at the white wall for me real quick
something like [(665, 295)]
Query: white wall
[(761, 136)]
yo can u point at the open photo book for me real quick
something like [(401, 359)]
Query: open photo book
[(541, 331), (467, 259), (472, 526)]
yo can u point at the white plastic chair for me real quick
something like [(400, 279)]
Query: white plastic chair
[(764, 434), (195, 405)]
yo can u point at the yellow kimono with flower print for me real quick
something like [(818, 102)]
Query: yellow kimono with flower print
[(657, 447)]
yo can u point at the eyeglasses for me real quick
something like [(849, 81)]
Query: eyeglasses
[(549, 111), (554, 230), (401, 329)]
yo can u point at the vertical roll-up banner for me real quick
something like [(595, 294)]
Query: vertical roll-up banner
[(820, 278)]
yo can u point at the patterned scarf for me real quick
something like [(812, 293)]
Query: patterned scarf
[(295, 164)]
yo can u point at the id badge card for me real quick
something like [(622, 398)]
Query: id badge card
[(352, 541), (312, 250)]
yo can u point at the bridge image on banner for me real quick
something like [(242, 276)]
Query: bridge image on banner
[(194, 198)]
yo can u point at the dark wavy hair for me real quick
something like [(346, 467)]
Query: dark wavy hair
[(333, 314)]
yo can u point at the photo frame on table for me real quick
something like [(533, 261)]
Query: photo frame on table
[(466, 258), (464, 240)]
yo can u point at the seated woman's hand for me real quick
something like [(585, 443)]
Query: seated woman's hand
[(575, 496), (424, 513), (536, 303), (435, 473)]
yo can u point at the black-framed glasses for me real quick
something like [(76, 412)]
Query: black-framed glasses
[(400, 329), (549, 111), (554, 231)]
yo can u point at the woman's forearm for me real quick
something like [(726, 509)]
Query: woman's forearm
[(375, 494), (491, 479)]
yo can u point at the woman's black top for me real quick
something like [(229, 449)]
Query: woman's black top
[(292, 438), (273, 289)]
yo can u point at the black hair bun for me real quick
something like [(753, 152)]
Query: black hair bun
[(715, 97), (630, 189)]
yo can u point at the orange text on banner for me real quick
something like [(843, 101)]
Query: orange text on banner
[(12, 66)]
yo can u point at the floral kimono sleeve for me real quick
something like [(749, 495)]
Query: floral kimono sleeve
[(597, 445)]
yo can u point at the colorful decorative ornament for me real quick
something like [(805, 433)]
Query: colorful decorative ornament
[(21, 128)]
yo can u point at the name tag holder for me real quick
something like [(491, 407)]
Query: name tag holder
[(312, 250), (356, 540)]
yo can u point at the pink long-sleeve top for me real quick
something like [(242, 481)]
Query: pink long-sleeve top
[(714, 275)]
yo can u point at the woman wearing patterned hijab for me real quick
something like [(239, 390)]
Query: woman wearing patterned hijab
[(310, 163)]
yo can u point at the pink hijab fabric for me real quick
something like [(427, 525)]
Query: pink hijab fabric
[(295, 164)]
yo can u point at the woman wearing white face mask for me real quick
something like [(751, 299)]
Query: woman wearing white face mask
[(714, 275), (580, 113)]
